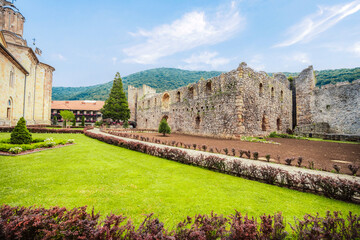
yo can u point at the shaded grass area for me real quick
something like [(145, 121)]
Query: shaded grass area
[(113, 179)]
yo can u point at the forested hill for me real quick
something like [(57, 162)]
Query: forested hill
[(159, 78), (171, 78)]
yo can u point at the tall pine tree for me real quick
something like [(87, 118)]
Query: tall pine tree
[(116, 106)]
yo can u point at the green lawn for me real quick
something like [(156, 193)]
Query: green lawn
[(117, 180)]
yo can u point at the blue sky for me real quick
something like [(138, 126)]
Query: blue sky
[(88, 41)]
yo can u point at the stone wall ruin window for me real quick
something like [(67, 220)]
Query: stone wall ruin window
[(191, 92), (272, 93), (208, 88), (178, 96), (165, 101), (278, 124), (197, 122), (264, 123), (155, 102), (281, 96), (260, 89), (148, 103)]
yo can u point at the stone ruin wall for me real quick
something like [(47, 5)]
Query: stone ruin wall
[(230, 105), (339, 106)]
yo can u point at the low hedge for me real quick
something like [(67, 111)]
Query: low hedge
[(44, 130), (329, 186), (5, 146), (60, 223)]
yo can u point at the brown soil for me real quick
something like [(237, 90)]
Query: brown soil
[(323, 154)]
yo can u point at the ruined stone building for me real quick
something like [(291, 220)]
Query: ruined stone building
[(25, 82), (246, 102)]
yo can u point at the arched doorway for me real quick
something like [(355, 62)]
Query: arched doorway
[(165, 101), (178, 96), (264, 123), (197, 122), (208, 88), (278, 124)]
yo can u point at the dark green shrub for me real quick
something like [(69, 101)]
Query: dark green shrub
[(20, 134), (164, 127), (83, 121), (256, 155)]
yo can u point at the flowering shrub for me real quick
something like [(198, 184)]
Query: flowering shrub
[(77, 223), (329, 186), (15, 150)]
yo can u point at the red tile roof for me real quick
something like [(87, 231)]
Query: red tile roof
[(77, 105)]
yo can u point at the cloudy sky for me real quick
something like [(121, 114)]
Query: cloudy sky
[(88, 41)]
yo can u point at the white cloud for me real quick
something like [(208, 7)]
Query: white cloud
[(355, 48), (204, 60), (192, 30), (60, 57), (256, 62), (299, 57), (325, 18), (114, 60)]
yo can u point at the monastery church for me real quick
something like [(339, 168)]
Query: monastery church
[(25, 82)]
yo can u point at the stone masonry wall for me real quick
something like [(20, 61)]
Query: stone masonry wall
[(339, 106), (240, 102)]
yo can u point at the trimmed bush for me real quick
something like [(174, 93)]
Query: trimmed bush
[(164, 127), (20, 134)]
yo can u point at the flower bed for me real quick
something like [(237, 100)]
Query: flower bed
[(60, 223), (328, 186), (7, 147)]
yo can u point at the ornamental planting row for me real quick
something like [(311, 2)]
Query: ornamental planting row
[(330, 187), (60, 223)]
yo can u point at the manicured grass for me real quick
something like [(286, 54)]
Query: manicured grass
[(113, 179)]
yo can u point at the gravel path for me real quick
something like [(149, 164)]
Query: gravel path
[(291, 169)]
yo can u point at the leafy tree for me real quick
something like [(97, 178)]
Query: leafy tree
[(74, 122), (164, 127), (20, 134), (116, 106), (67, 116), (55, 121), (83, 121)]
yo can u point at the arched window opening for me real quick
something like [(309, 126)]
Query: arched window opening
[(178, 96), (278, 124), (165, 101), (208, 87), (272, 93), (9, 110), (260, 89), (148, 103), (191, 92), (264, 123), (281, 96), (197, 122), (165, 117), (146, 123), (155, 102)]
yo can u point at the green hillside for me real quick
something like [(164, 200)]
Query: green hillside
[(160, 78), (171, 78)]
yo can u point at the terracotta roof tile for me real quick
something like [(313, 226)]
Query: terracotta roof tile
[(77, 105)]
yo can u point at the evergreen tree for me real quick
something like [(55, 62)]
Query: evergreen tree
[(164, 127), (20, 134), (74, 122), (83, 121), (116, 106)]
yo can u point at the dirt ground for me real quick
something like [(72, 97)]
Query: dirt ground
[(323, 154)]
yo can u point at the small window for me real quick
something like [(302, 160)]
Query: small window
[(148, 103), (260, 89), (272, 93), (191, 92), (178, 96), (281, 96), (208, 87), (11, 80)]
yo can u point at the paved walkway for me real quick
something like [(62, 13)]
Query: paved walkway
[(246, 161)]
